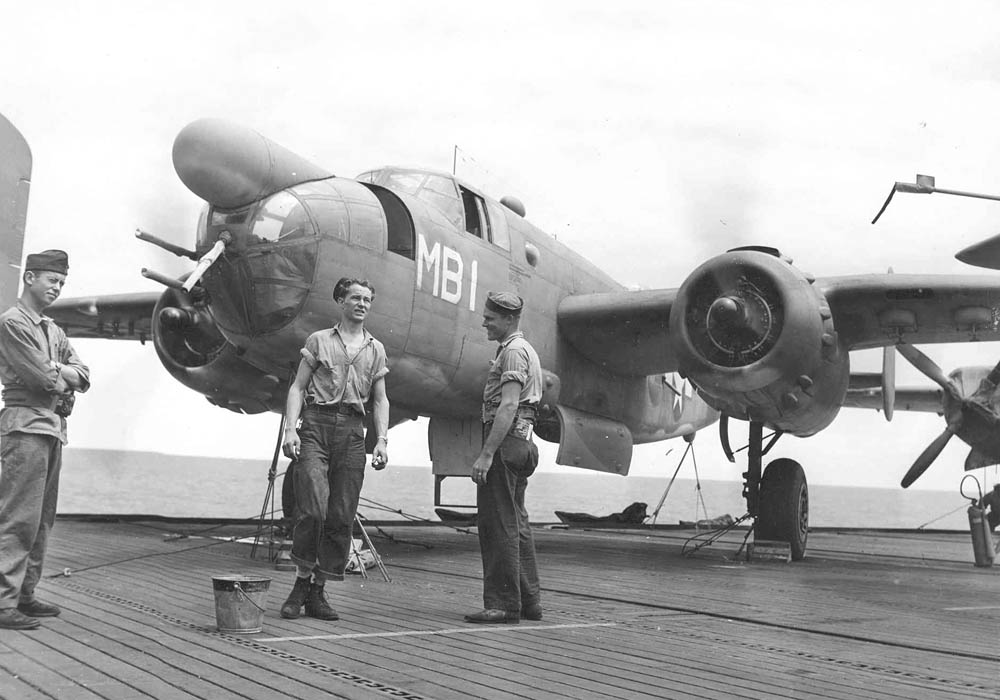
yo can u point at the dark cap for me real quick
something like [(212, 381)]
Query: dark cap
[(504, 302), (51, 260)]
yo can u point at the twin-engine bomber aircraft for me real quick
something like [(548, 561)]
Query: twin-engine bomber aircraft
[(760, 340)]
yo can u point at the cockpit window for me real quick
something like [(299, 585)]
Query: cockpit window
[(499, 234), (436, 190), (281, 217), (466, 210), (213, 221)]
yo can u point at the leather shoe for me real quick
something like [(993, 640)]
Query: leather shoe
[(532, 612), (36, 608), (14, 619), (494, 617)]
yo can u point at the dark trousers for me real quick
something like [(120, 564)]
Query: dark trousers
[(288, 493), (510, 576), (328, 478), (29, 488)]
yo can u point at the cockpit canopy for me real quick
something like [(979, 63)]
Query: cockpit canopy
[(466, 210)]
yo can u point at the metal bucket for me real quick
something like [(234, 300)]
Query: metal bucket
[(240, 602)]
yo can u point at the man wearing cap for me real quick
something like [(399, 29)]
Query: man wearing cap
[(510, 401), (341, 367), (40, 371)]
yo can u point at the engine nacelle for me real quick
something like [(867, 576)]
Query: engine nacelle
[(196, 354), (757, 339)]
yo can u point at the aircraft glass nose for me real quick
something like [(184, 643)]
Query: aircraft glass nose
[(259, 285)]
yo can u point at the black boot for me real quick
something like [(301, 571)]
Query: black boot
[(317, 606), (296, 599)]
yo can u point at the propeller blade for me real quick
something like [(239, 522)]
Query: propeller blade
[(926, 457), (983, 254), (888, 381), (926, 365)]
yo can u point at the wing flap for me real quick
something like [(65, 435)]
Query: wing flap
[(114, 316), (871, 311), (626, 332)]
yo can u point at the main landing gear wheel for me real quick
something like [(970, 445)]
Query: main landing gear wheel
[(784, 506)]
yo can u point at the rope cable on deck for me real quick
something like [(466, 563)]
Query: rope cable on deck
[(238, 537), (66, 572), (941, 517), (411, 517), (704, 539)]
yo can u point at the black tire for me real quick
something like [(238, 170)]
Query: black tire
[(784, 506)]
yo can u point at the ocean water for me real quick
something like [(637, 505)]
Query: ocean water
[(106, 482)]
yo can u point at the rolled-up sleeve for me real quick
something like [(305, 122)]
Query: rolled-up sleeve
[(514, 366), (310, 351), (380, 366)]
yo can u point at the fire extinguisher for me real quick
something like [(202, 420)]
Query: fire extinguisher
[(982, 536)]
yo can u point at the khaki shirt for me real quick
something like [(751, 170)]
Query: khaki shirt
[(516, 361), (338, 376), (30, 347)]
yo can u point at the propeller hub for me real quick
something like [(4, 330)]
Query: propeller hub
[(727, 311), (176, 319)]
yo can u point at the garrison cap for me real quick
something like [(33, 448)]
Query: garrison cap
[(51, 260), (504, 302)]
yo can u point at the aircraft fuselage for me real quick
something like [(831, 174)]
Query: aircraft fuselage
[(432, 255)]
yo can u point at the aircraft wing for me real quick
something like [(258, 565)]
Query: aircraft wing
[(625, 332), (114, 316), (866, 394), (871, 311)]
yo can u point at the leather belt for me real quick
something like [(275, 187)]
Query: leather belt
[(18, 396), (520, 427), (49, 405), (341, 408)]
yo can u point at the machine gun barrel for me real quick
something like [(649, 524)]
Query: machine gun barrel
[(175, 249), (162, 279)]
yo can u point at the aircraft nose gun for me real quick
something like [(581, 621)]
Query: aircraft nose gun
[(979, 526), (207, 259)]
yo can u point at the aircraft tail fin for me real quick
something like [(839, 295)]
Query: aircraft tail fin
[(15, 181)]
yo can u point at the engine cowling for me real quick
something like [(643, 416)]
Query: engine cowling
[(194, 351), (757, 339)]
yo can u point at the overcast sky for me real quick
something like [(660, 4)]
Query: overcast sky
[(648, 136)]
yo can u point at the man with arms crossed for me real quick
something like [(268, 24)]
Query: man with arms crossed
[(40, 371)]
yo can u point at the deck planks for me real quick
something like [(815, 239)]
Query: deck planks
[(625, 616)]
